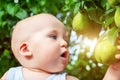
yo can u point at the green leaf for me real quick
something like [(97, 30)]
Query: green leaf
[(6, 52), (11, 9), (112, 34), (109, 20), (35, 9), (21, 14), (1, 14), (95, 14), (66, 8), (105, 4), (76, 9)]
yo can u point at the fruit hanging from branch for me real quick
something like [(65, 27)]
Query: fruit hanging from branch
[(114, 2), (84, 26), (92, 17), (105, 49), (117, 17)]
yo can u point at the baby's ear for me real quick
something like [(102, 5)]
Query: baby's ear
[(24, 50)]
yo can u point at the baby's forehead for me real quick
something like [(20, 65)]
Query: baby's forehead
[(37, 22), (40, 20)]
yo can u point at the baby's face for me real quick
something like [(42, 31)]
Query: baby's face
[(49, 47)]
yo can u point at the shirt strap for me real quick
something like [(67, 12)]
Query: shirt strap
[(15, 73)]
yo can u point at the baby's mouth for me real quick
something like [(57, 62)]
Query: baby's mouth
[(65, 54)]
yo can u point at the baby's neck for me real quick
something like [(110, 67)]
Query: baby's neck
[(34, 74)]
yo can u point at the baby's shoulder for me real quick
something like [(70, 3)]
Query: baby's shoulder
[(12, 72), (71, 78), (4, 76)]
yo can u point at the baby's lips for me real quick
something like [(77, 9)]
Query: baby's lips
[(65, 54)]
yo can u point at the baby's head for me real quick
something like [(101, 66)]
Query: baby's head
[(39, 42)]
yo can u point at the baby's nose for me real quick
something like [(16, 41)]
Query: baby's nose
[(64, 43)]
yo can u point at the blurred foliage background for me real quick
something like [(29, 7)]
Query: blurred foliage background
[(82, 63)]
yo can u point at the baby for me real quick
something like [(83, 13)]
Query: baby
[(39, 43)]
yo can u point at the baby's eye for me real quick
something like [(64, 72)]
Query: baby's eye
[(53, 36)]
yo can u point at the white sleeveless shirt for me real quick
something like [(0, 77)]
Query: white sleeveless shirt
[(16, 74)]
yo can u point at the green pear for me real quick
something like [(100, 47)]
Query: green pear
[(117, 17), (83, 25), (80, 22), (114, 2), (105, 51)]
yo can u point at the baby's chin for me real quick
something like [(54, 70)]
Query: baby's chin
[(56, 71), (48, 70)]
